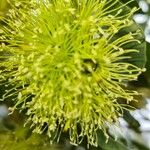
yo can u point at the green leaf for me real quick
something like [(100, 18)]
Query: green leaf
[(132, 4), (3, 7), (9, 141), (148, 60), (138, 59), (111, 144), (132, 122)]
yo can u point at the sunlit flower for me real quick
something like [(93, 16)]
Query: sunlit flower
[(68, 64)]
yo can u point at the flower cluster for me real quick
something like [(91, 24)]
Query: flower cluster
[(68, 65)]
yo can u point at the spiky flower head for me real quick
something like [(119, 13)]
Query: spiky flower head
[(68, 64)]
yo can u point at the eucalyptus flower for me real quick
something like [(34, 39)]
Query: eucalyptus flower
[(68, 65)]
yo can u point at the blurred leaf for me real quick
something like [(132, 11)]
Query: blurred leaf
[(132, 122), (140, 146), (111, 144), (148, 58), (3, 7), (132, 4), (3, 4), (138, 59), (9, 141), (144, 78)]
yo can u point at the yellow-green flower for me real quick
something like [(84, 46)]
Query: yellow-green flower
[(68, 64)]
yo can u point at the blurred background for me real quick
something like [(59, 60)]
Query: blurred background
[(133, 132)]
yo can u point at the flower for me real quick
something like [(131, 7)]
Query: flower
[(68, 64)]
